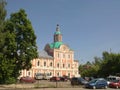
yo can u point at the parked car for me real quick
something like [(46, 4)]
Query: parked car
[(27, 79), (112, 78), (63, 79), (47, 76), (38, 76), (97, 83), (88, 78), (115, 84), (54, 78), (78, 81)]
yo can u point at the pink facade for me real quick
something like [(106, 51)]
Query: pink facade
[(56, 59)]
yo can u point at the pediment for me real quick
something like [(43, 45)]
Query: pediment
[(64, 48)]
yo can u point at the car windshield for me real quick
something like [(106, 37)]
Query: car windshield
[(81, 79), (93, 81), (38, 74), (115, 81), (74, 78)]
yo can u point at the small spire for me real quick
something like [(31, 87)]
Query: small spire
[(57, 35), (57, 24), (57, 28)]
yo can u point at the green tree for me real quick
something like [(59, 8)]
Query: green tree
[(18, 44), (8, 61), (2, 22), (110, 65), (25, 41), (2, 12), (91, 69), (97, 61), (5, 63)]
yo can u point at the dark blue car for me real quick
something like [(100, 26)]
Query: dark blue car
[(97, 83), (78, 81)]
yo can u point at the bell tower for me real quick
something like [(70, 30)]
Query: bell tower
[(57, 34)]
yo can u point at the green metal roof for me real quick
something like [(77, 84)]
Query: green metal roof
[(55, 45), (57, 32)]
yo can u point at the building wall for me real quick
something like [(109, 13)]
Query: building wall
[(62, 63)]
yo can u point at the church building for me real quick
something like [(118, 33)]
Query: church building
[(57, 59)]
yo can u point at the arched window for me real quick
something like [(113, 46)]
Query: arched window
[(69, 74), (50, 73), (38, 63), (58, 55), (68, 56), (68, 65), (44, 63), (58, 74), (51, 64), (58, 65), (28, 73), (63, 65)]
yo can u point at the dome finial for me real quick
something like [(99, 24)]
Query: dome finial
[(57, 24), (57, 28)]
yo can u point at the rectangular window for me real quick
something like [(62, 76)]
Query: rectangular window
[(69, 56), (63, 55), (58, 55)]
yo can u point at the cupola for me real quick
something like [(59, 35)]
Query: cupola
[(57, 35)]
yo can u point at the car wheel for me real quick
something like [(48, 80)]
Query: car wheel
[(106, 87), (94, 87), (72, 84)]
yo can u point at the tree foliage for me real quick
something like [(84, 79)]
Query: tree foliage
[(2, 12), (25, 41), (18, 44), (2, 22), (6, 64), (90, 69), (102, 67), (25, 38), (110, 65)]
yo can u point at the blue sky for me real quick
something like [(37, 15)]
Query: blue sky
[(89, 27)]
